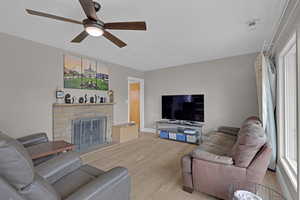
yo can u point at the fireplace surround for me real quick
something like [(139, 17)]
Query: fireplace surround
[(64, 116)]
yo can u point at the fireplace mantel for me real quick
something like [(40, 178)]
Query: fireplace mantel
[(82, 104), (63, 114)]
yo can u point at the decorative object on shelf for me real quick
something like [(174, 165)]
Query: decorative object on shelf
[(81, 100), (68, 98), (85, 98), (96, 98), (104, 99), (101, 99), (92, 99), (84, 73), (110, 94), (74, 100), (60, 94)]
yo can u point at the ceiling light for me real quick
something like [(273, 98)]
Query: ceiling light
[(94, 31)]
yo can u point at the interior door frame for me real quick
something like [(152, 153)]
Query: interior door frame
[(142, 99)]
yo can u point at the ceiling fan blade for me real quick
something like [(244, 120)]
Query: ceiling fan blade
[(114, 39), (80, 37), (41, 14), (89, 9), (141, 26)]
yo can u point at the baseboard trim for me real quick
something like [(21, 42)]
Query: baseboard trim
[(148, 130), (283, 184)]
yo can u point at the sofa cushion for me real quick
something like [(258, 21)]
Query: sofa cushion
[(217, 143), (15, 163), (249, 120), (210, 157), (73, 181), (251, 138)]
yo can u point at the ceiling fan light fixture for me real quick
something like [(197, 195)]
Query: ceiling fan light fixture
[(94, 31)]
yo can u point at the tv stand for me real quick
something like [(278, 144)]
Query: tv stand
[(183, 131)]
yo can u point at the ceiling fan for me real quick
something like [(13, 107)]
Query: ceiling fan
[(93, 25)]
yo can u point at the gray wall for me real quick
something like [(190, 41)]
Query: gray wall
[(30, 74), (229, 86)]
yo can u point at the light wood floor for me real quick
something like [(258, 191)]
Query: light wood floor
[(154, 166)]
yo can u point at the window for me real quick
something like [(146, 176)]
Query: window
[(288, 120), (291, 107)]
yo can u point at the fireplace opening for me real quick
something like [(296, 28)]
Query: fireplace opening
[(89, 132)]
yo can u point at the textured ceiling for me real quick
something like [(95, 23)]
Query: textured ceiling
[(179, 32)]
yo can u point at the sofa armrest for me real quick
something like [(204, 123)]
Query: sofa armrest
[(214, 178), (210, 157), (229, 130), (112, 185), (186, 169), (33, 139), (56, 168)]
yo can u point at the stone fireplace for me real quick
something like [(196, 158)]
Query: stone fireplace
[(85, 125)]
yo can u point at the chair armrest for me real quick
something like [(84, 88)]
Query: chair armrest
[(229, 130), (56, 168), (112, 185), (210, 157), (8, 192), (33, 139)]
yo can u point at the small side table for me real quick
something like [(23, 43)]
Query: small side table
[(125, 132), (49, 148), (264, 192)]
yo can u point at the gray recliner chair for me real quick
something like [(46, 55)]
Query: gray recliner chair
[(61, 178), (35, 139)]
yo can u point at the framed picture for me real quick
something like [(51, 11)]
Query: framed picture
[(72, 72), (84, 73), (102, 77), (60, 94), (89, 71)]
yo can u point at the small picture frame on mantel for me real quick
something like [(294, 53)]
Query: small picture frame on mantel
[(60, 94)]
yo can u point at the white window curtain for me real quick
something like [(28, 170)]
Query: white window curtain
[(266, 93)]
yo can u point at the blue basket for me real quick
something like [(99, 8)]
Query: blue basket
[(180, 137), (164, 134)]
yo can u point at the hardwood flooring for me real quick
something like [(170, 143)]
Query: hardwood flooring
[(154, 166)]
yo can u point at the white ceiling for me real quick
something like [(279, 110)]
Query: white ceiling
[(179, 32)]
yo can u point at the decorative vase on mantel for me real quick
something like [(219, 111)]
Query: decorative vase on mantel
[(110, 94)]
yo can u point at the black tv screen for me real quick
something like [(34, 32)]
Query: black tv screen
[(183, 107)]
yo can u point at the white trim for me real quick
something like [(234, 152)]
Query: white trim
[(148, 130), (283, 184), (287, 177), (298, 109), (288, 171), (142, 100)]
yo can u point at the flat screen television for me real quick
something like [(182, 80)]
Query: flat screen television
[(183, 107)]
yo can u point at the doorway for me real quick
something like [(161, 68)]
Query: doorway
[(136, 101)]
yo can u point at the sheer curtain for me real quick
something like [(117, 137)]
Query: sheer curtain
[(266, 92)]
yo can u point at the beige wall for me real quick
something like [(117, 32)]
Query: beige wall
[(29, 75), (229, 86)]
